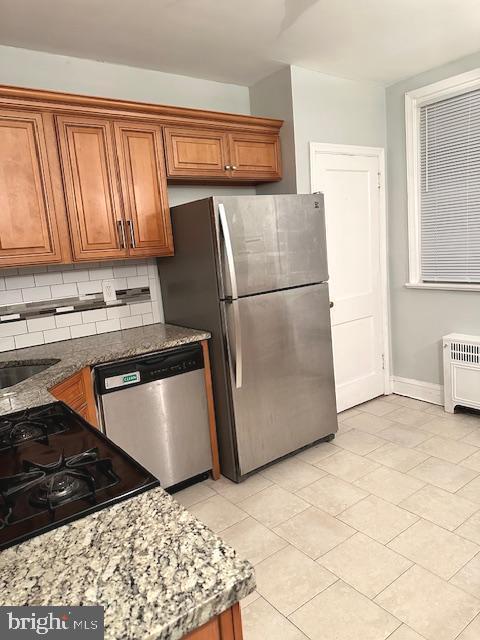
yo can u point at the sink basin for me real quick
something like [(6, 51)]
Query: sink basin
[(14, 373)]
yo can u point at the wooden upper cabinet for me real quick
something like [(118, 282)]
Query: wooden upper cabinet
[(196, 153), (203, 155), (143, 181), (29, 228), (92, 190), (255, 156)]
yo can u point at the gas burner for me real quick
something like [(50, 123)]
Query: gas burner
[(32, 424), (59, 488)]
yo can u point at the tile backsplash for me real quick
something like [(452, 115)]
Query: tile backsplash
[(31, 288)]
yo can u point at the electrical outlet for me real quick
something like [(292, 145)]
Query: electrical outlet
[(109, 293)]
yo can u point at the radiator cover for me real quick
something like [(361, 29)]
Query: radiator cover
[(461, 365)]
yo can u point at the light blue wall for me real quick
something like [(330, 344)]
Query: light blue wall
[(272, 97), (334, 110), (419, 317)]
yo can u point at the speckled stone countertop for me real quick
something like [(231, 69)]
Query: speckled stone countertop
[(157, 571), (81, 352)]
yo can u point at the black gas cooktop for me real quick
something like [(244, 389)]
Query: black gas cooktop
[(55, 467)]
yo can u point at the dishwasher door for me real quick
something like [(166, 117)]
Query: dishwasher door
[(163, 424)]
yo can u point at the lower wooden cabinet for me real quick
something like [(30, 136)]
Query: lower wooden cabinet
[(226, 626), (77, 392)]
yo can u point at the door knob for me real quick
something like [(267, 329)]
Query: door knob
[(331, 304)]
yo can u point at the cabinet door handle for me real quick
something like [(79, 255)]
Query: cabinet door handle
[(132, 234), (227, 167), (233, 167), (121, 234)]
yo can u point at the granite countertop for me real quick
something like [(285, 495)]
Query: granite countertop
[(81, 352), (157, 571)]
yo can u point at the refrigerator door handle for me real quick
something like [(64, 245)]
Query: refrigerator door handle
[(237, 339), (228, 250)]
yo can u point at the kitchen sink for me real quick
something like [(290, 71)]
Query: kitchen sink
[(14, 373)]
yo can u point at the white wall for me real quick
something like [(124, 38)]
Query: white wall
[(419, 317), (335, 110)]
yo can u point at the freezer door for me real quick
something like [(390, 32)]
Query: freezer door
[(281, 372), (268, 243)]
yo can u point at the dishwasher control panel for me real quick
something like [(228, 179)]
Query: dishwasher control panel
[(114, 382), (147, 368)]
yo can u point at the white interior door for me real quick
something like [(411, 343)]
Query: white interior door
[(350, 184)]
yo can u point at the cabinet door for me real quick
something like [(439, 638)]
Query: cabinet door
[(255, 157), (29, 230), (196, 154), (91, 187), (144, 188)]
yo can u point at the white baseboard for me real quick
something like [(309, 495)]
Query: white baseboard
[(426, 391)]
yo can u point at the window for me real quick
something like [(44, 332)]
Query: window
[(443, 165)]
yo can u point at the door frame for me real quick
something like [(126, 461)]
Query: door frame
[(318, 148)]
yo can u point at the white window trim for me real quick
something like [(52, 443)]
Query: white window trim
[(414, 100)]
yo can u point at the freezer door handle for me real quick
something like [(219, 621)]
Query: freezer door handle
[(237, 340), (227, 240)]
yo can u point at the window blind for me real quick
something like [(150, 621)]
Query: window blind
[(450, 189)]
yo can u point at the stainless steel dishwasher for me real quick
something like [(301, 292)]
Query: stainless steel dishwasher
[(155, 408)]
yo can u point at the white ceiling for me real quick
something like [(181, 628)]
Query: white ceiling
[(241, 41)]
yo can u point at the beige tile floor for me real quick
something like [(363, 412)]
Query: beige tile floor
[(373, 536)]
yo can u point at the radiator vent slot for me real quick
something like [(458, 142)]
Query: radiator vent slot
[(463, 352)]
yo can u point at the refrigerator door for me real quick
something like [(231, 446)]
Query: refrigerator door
[(268, 243), (281, 369)]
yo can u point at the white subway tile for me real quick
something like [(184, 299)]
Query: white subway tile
[(68, 319), (118, 312), (42, 279), (94, 315), (128, 323), (7, 344), (157, 313), (147, 318), (108, 325), (81, 330), (65, 290), (140, 308), (37, 294), (3, 286), (12, 328), (55, 335), (137, 281), (104, 273), (76, 275), (19, 282), (11, 297), (119, 283), (125, 271), (85, 288), (41, 324), (29, 340), (142, 270)]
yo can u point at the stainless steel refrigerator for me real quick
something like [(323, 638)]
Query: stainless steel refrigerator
[(253, 271)]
